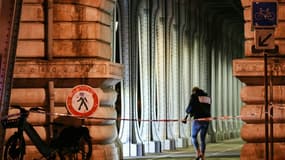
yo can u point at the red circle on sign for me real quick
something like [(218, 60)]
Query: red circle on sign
[(82, 101)]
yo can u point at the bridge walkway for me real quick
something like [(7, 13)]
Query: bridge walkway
[(224, 150)]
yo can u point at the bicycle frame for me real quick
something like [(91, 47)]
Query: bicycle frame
[(24, 126), (42, 146), (71, 141)]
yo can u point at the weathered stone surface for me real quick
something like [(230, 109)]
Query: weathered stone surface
[(247, 12), (38, 96), (79, 52), (248, 67), (31, 31), (256, 113), (72, 12), (256, 132), (84, 30), (255, 94), (106, 5), (281, 10), (28, 97), (65, 48), (31, 49), (32, 12), (256, 151), (104, 115), (32, 1), (251, 70), (105, 134), (64, 82), (71, 68), (81, 48), (246, 3)]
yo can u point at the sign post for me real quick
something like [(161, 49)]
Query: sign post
[(82, 101), (264, 14), (264, 20), (264, 38)]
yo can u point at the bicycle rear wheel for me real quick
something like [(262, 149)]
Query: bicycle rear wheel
[(82, 150), (14, 148)]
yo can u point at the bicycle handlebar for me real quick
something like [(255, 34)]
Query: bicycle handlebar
[(22, 110), (33, 109), (37, 109)]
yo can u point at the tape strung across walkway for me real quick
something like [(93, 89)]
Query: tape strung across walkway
[(134, 119)]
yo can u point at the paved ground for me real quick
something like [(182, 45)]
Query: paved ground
[(226, 150)]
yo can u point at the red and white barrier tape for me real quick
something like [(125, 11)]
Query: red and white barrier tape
[(133, 119)]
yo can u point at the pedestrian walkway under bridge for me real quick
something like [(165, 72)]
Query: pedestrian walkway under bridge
[(223, 150)]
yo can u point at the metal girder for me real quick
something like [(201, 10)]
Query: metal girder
[(226, 8), (10, 12)]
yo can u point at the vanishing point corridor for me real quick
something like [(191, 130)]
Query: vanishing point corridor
[(124, 69)]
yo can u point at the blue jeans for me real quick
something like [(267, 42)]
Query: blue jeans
[(202, 127)]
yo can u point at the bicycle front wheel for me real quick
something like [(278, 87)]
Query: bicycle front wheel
[(14, 148)]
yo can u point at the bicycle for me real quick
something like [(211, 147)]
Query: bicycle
[(264, 15), (70, 143)]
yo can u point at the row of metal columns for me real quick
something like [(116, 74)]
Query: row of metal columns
[(159, 75)]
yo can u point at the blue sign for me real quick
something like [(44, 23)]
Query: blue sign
[(264, 14)]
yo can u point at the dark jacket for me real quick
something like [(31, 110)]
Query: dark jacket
[(199, 105)]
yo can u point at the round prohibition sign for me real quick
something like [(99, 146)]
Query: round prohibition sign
[(82, 101)]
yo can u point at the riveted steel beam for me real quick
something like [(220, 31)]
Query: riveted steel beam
[(10, 12)]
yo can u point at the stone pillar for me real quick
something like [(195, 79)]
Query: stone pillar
[(250, 70), (64, 43)]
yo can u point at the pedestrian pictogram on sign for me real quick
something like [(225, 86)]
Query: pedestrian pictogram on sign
[(264, 39), (264, 14), (82, 101)]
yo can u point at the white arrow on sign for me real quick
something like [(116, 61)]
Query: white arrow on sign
[(264, 39)]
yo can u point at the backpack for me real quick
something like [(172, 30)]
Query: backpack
[(200, 107)]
